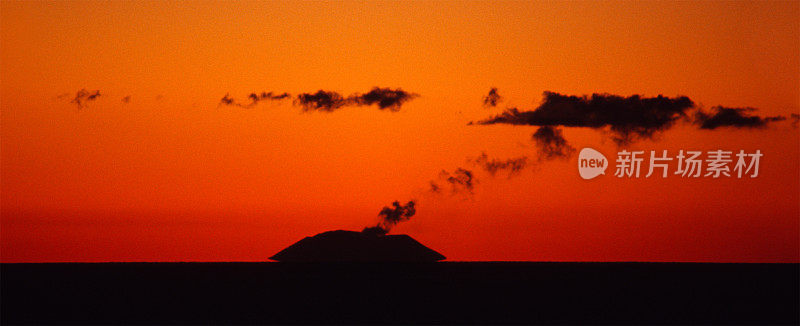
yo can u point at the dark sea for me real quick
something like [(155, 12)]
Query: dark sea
[(400, 293)]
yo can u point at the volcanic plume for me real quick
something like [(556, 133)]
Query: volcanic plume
[(391, 216)]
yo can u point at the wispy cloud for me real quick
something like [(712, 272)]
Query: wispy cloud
[(84, 96)]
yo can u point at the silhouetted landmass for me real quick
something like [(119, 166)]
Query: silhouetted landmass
[(350, 246), (400, 293)]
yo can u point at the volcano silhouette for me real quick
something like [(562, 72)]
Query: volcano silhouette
[(354, 246)]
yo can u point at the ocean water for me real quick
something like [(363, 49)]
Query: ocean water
[(429, 293)]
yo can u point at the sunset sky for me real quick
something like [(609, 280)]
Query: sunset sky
[(172, 175)]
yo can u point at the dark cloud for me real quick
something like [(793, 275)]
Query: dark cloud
[(329, 101), (732, 117), (551, 143), (126, 99), (628, 118), (795, 119), (460, 181), (512, 165), (321, 101), (385, 98), (390, 216), (254, 98), (491, 99), (83, 96), (228, 100)]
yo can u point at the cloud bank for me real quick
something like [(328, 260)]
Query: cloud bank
[(628, 118), (330, 101)]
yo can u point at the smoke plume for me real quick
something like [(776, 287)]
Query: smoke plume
[(390, 216), (493, 166), (460, 181), (551, 143)]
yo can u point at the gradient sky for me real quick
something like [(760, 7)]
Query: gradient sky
[(172, 176)]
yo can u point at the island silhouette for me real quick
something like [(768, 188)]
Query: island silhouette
[(352, 246)]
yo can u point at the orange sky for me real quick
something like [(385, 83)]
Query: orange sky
[(171, 176)]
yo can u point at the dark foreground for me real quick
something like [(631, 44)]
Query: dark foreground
[(400, 293)]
